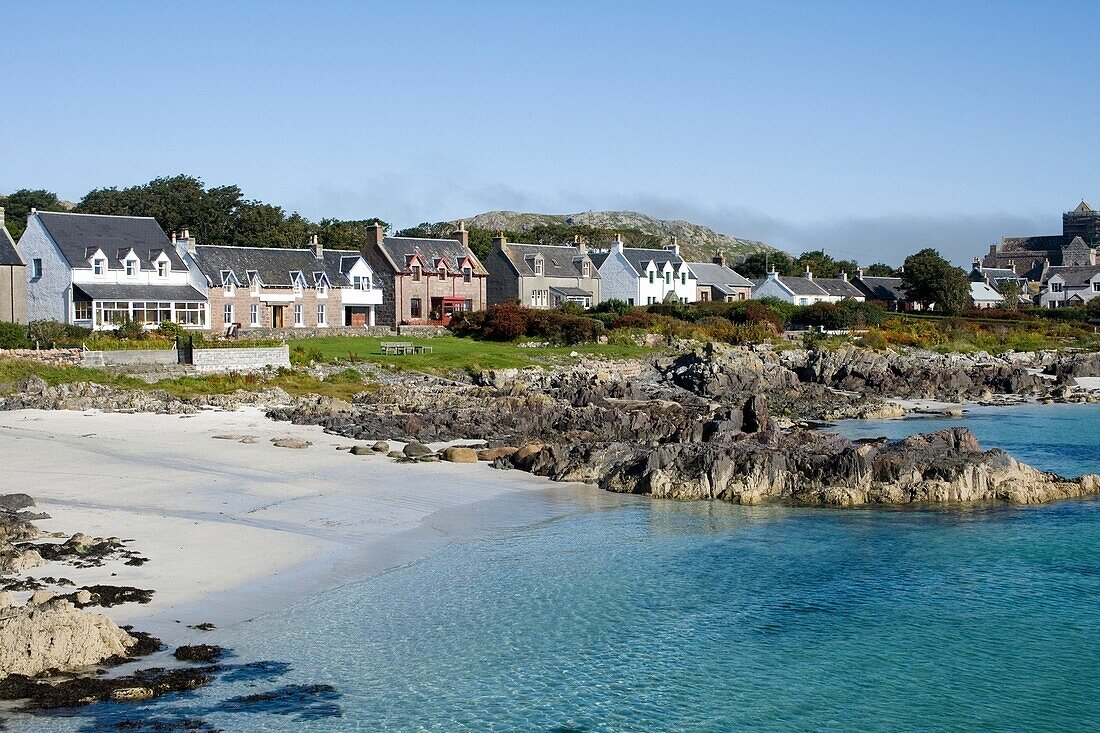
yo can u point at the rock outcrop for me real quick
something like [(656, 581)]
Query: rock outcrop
[(55, 634)]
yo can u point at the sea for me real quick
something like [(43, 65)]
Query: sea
[(641, 615)]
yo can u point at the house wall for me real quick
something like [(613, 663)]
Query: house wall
[(772, 289), (386, 279), (618, 281), (430, 286), (243, 300), (503, 285), (529, 284), (48, 297), (13, 294), (1047, 299)]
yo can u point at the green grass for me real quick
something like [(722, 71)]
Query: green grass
[(450, 353), (13, 371)]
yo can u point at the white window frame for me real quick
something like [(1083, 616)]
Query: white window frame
[(99, 266), (131, 267), (254, 314), (322, 289), (538, 266), (36, 273), (321, 319), (467, 274), (229, 289), (228, 314), (1056, 287), (586, 269), (163, 268), (299, 315)]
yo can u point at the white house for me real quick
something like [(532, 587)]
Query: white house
[(982, 295), (98, 271), (1069, 286), (807, 289), (644, 276)]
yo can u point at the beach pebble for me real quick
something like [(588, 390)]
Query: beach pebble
[(40, 596), (249, 440), (291, 443), (6, 599), (491, 454), (361, 450), (381, 447), (417, 450), (458, 454), (83, 597), (395, 454)]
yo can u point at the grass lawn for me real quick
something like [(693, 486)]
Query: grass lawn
[(451, 353)]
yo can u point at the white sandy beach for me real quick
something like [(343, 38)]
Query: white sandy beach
[(232, 529)]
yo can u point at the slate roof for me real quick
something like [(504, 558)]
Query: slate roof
[(558, 260), (882, 288), (799, 285), (341, 260), (1073, 276), (1045, 243), (575, 292), (277, 267), (78, 236), (598, 258), (398, 250), (838, 288), (983, 293), (640, 258), (107, 291), (9, 256), (999, 273), (718, 276)]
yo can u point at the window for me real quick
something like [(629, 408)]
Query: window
[(469, 305), (586, 269), (360, 283), (630, 301), (414, 308), (320, 314), (163, 268), (36, 272), (651, 277), (322, 289), (254, 314), (82, 310), (99, 267), (152, 312), (190, 314), (534, 297), (230, 289), (683, 278), (416, 273), (131, 268), (467, 274), (668, 278), (227, 314), (442, 273), (299, 315), (255, 286), (538, 266), (1096, 286), (109, 312), (803, 301), (1056, 287), (297, 286)]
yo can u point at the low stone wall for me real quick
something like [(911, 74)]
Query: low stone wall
[(290, 334), (240, 359), (53, 357), (131, 357)]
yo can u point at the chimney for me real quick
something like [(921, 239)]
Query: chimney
[(580, 244), (808, 275), (977, 264), (844, 276), (618, 245), (719, 258), (186, 240), (499, 241), (316, 246), (1, 216), (859, 273), (462, 235), (375, 234), (675, 246)]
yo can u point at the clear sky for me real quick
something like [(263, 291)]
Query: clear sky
[(868, 128)]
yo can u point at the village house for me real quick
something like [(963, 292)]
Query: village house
[(884, 291), (1029, 256), (542, 276), (279, 288), (425, 281), (644, 276), (100, 271), (714, 281), (807, 289), (1070, 286), (983, 295), (1002, 280), (13, 279)]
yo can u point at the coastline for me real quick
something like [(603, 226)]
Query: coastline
[(234, 530)]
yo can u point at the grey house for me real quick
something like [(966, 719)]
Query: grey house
[(542, 276), (13, 279)]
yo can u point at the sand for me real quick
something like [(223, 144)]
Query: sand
[(235, 529)]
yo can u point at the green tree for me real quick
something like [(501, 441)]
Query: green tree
[(929, 278), (1010, 290), (758, 264), (18, 205), (823, 265), (879, 269)]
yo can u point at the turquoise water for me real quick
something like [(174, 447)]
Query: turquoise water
[(673, 616)]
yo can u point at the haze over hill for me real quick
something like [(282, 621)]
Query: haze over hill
[(697, 242)]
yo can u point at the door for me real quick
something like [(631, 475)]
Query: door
[(278, 316), (357, 317)]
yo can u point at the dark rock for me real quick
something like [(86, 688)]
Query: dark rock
[(198, 653), (417, 450)]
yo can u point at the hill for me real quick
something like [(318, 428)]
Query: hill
[(697, 242)]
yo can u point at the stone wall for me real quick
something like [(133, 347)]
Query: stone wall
[(290, 334), (131, 357), (53, 357), (241, 360)]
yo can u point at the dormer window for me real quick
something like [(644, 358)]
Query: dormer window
[(322, 289), (99, 266), (442, 273), (416, 273), (163, 267), (1056, 287), (467, 274), (255, 285), (538, 265), (131, 268), (230, 289), (297, 286), (586, 269)]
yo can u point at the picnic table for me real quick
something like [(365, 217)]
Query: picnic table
[(402, 348)]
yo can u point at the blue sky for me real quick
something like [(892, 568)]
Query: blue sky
[(868, 128)]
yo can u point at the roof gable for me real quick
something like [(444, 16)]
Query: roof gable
[(78, 235)]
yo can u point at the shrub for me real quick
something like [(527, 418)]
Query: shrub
[(301, 356), (131, 330), (828, 316), (47, 332), (170, 330), (13, 336), (614, 306)]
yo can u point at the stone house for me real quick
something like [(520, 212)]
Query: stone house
[(714, 281), (1028, 257), (13, 279), (641, 276), (98, 271), (1069, 286), (425, 281), (542, 276), (885, 291), (278, 288)]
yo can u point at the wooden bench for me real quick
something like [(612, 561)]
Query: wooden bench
[(397, 348)]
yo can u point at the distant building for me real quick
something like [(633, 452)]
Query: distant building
[(280, 288), (13, 279), (807, 289), (644, 276), (1028, 256), (1070, 286), (542, 276), (716, 282), (885, 291), (99, 271), (425, 281), (1002, 280)]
